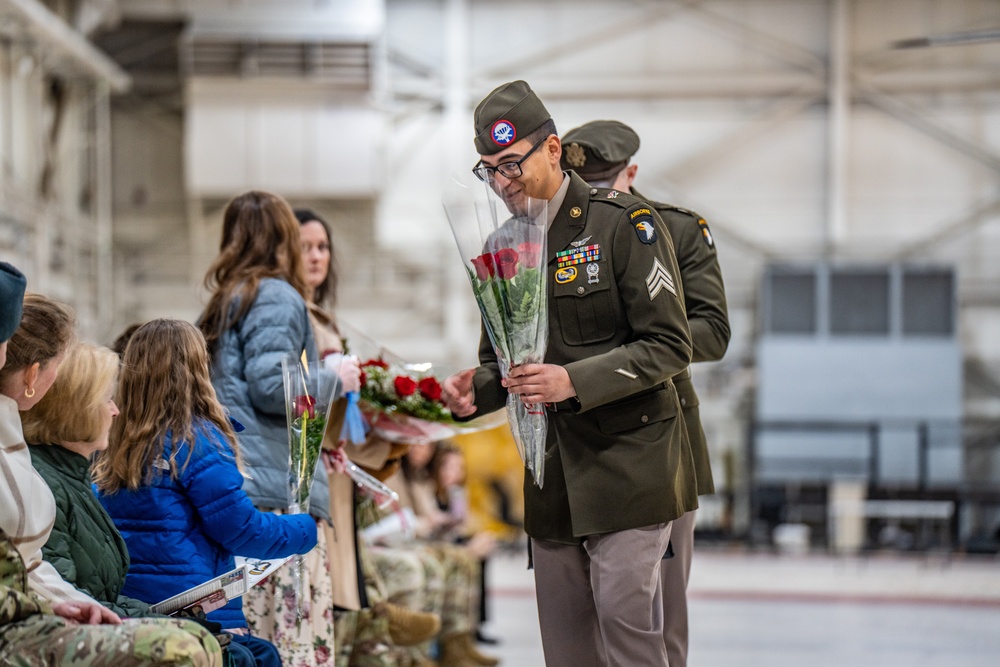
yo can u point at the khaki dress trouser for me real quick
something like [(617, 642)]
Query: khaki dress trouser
[(599, 603), (674, 575)]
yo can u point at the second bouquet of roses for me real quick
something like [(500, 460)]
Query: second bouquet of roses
[(403, 402)]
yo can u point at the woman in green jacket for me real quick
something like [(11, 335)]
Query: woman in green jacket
[(64, 430)]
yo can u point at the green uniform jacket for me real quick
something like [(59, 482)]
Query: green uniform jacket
[(705, 303), (84, 546), (608, 456)]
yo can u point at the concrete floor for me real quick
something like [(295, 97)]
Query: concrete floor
[(793, 611)]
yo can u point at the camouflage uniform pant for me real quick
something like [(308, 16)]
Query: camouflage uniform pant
[(436, 577), (50, 641), (363, 640), (363, 636)]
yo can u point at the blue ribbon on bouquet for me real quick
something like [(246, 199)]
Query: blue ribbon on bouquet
[(356, 427)]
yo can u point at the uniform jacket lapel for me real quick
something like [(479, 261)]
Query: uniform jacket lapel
[(566, 228)]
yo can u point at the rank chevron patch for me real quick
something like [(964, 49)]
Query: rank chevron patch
[(659, 278)]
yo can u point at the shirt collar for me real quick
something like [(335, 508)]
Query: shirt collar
[(557, 201)]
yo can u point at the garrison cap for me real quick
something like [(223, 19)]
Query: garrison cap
[(12, 284), (509, 113), (599, 149)]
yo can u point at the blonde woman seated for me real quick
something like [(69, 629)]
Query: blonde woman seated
[(63, 431)]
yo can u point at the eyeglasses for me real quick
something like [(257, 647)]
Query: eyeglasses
[(509, 170)]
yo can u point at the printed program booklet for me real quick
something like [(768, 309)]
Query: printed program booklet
[(215, 593)]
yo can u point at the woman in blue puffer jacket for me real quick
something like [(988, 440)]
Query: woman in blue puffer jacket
[(256, 314), (170, 480)]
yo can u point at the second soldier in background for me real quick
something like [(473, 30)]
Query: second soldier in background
[(600, 152)]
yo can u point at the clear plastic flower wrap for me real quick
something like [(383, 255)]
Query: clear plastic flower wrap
[(401, 401), (310, 387), (503, 247)]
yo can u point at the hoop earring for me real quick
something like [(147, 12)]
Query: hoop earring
[(29, 392)]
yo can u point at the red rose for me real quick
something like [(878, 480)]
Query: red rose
[(531, 254), (484, 266), (506, 261), (305, 404), (364, 379), (376, 362), (404, 385), (429, 389)]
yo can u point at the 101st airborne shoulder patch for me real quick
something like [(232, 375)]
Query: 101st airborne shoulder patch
[(706, 235), (642, 221)]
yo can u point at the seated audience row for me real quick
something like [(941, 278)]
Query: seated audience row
[(45, 620), (185, 442)]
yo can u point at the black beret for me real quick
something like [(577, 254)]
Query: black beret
[(12, 284), (509, 113), (599, 149)]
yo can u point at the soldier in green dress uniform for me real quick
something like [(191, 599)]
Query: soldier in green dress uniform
[(618, 469), (600, 153)]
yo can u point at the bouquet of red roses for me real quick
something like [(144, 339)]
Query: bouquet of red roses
[(402, 402), (503, 248)]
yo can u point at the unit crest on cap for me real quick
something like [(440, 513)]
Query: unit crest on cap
[(503, 132), (575, 155)]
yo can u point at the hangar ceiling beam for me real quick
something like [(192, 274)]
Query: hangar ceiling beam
[(775, 114), (901, 111), (601, 35), (950, 230)]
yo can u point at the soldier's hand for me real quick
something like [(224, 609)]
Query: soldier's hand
[(86, 613), (540, 383), (457, 395)]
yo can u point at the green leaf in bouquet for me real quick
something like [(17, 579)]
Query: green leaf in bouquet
[(309, 434)]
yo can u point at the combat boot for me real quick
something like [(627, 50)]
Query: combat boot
[(457, 650), (406, 627), (473, 653)]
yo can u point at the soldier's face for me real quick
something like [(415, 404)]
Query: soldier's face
[(540, 173)]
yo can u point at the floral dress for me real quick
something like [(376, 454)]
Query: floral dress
[(304, 640)]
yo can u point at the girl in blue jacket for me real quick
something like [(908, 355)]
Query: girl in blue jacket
[(171, 481)]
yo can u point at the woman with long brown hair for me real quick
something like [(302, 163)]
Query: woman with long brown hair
[(257, 313), (170, 481), (358, 591)]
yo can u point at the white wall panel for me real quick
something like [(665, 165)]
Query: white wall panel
[(297, 140)]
